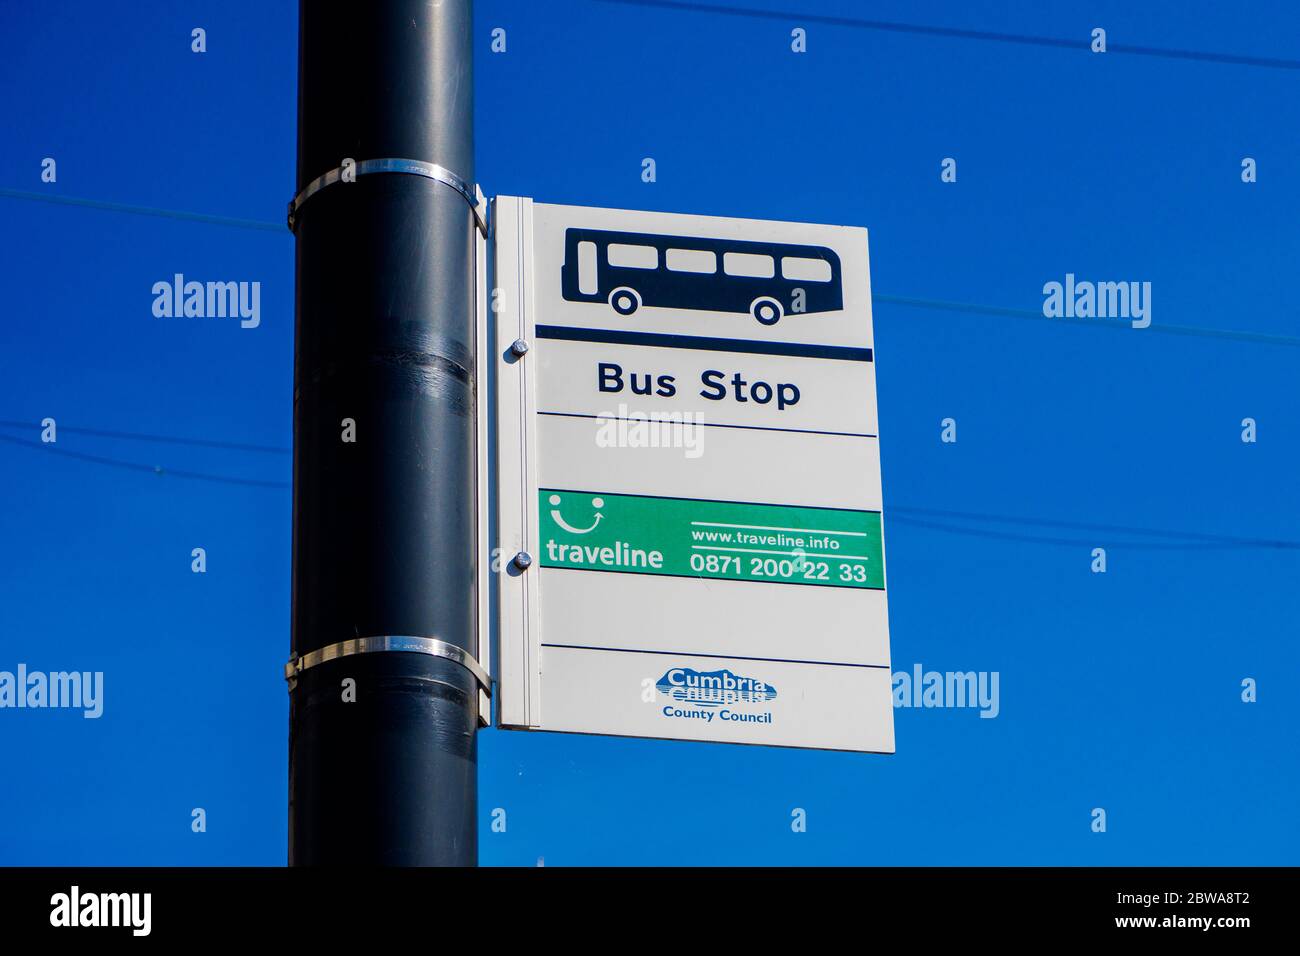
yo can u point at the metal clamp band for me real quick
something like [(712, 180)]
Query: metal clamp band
[(368, 645), (431, 170)]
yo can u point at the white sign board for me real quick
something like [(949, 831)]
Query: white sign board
[(687, 454)]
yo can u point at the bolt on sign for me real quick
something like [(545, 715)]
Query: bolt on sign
[(688, 496)]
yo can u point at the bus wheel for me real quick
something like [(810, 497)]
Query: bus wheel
[(767, 310), (624, 301)]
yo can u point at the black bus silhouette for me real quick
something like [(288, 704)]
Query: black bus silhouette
[(765, 279)]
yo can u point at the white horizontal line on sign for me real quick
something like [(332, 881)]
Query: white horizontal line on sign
[(603, 417), (764, 527), (793, 554)]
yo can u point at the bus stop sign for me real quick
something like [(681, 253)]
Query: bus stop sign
[(687, 490)]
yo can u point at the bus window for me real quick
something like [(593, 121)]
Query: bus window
[(633, 257), (692, 260), (806, 270), (749, 265), (587, 278)]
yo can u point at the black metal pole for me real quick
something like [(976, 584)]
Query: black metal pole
[(384, 771)]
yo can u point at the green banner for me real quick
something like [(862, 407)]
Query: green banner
[(735, 540)]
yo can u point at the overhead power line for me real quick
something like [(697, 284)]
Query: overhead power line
[(1262, 338), (973, 308), (149, 437), (991, 36), (1191, 536), (1241, 544), (895, 514), (53, 449), (259, 224)]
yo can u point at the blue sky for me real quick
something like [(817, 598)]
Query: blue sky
[(1118, 690)]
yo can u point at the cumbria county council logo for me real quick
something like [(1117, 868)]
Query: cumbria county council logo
[(704, 695)]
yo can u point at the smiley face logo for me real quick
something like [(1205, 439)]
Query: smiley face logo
[(596, 504)]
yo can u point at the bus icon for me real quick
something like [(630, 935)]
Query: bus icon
[(765, 279)]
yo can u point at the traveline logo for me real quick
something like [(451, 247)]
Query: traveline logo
[(705, 695)]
